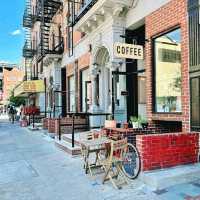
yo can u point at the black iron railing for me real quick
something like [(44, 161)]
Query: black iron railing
[(78, 126), (28, 51)]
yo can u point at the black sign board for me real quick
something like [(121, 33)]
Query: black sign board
[(124, 93)]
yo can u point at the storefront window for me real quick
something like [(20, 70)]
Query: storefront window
[(84, 89), (116, 87), (71, 94), (141, 89), (168, 72)]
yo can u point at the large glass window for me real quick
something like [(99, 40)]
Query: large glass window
[(84, 90), (167, 53), (71, 82)]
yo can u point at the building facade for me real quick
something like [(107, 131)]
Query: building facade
[(10, 80), (5, 73), (71, 47)]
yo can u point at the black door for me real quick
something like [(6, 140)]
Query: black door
[(63, 92), (132, 89), (132, 36), (195, 103)]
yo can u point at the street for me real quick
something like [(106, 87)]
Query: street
[(32, 168)]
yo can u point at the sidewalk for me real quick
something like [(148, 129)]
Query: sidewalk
[(32, 168)]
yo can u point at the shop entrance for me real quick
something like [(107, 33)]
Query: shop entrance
[(195, 103), (63, 93), (87, 95), (136, 100), (84, 90)]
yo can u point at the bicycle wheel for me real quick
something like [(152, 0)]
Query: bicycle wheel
[(131, 163)]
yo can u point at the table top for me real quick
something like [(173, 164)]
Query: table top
[(96, 142), (121, 130)]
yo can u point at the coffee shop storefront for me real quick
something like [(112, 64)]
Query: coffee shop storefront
[(168, 88)]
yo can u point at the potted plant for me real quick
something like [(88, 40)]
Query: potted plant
[(134, 121), (144, 123)]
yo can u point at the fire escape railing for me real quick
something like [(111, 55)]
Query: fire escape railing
[(76, 10), (85, 7), (28, 51)]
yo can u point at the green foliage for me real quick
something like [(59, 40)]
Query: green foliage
[(138, 119), (177, 84), (17, 101), (133, 119)]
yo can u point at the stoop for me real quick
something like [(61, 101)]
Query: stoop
[(67, 147), (161, 179)]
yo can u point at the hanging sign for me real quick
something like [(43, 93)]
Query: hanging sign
[(124, 93), (123, 50)]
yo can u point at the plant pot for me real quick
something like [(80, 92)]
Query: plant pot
[(130, 125), (144, 125), (110, 124), (125, 125), (135, 124)]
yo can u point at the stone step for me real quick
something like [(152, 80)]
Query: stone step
[(161, 179), (68, 138), (67, 147), (77, 136)]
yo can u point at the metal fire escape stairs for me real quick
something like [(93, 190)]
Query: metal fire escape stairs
[(47, 9), (28, 51)]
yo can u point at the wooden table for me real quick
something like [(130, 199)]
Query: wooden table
[(120, 130), (93, 146)]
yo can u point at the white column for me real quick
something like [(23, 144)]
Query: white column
[(94, 106)]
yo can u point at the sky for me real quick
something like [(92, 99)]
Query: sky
[(11, 31)]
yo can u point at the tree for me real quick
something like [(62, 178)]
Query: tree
[(17, 101)]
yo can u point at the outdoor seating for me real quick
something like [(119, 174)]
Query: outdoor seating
[(91, 146), (113, 164)]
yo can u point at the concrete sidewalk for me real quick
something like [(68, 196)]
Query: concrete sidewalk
[(32, 168)]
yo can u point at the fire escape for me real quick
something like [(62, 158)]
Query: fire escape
[(45, 10), (76, 10), (28, 51)]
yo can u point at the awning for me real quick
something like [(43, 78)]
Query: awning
[(29, 87)]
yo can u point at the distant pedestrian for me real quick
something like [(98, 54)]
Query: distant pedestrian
[(12, 113)]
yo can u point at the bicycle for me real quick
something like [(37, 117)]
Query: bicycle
[(132, 164)]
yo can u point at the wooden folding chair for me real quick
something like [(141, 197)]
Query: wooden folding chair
[(113, 164), (91, 135)]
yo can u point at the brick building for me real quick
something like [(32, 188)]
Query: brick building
[(72, 51), (70, 45), (11, 78), (5, 71), (131, 22)]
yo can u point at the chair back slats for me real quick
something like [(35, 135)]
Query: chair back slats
[(119, 145), (117, 149)]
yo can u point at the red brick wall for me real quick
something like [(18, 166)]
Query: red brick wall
[(168, 17), (10, 80), (45, 123), (51, 125), (167, 150)]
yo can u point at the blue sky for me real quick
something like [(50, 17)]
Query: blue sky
[(11, 32)]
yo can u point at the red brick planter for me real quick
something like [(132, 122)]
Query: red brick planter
[(167, 150), (45, 123), (51, 125)]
